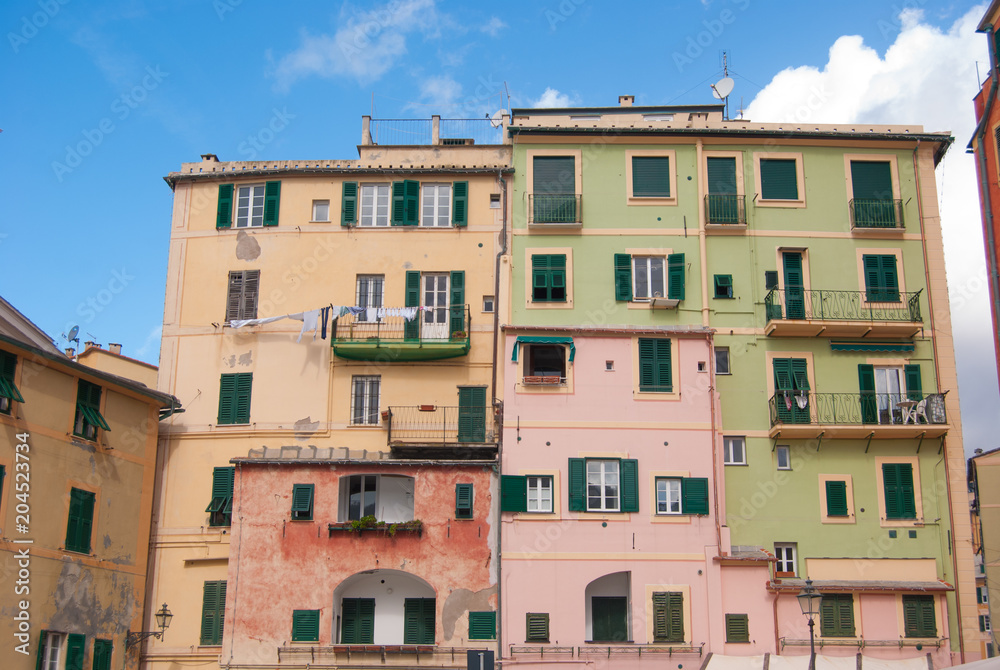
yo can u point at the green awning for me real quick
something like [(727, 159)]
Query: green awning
[(530, 339), (93, 417), (872, 346), (9, 390)]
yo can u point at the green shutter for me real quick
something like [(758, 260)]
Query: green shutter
[(897, 483), (837, 615), (463, 501), (548, 277), (723, 286), (513, 493), (918, 616), (536, 626), (88, 402), (349, 203), (554, 175), (668, 617), (609, 618), (302, 501), (482, 625), (982, 624), (675, 276), (411, 328), (40, 657), (881, 278), (80, 521), (418, 620), (866, 386), (8, 367), (102, 654), (460, 204), (655, 374), (628, 474), (795, 304), (213, 610), (694, 495), (721, 175), (75, 644), (577, 485), (472, 414), (871, 180), (398, 203), (227, 399), (778, 179), (737, 628), (651, 176), (836, 498), (457, 307), (411, 202), (221, 505), (244, 384), (914, 391), (623, 277), (357, 624), (272, 200), (305, 626), (224, 214)]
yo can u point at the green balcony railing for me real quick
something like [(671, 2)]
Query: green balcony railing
[(726, 209), (437, 333), (555, 208), (823, 305), (876, 214), (807, 407)]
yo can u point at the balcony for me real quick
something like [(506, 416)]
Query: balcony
[(726, 211), (433, 335), (555, 209), (876, 215), (808, 415), (796, 312), (437, 431)]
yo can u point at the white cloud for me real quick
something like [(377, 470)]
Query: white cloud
[(365, 46), (553, 98), (493, 26), (442, 93), (151, 343), (926, 77)]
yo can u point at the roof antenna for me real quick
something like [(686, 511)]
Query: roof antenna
[(724, 87)]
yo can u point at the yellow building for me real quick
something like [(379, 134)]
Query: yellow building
[(397, 250), (77, 457), (984, 494)]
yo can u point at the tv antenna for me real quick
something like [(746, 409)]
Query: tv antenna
[(722, 88)]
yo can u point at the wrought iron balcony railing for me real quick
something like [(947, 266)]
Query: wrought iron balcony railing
[(823, 305), (555, 208), (856, 409), (876, 214), (726, 209), (441, 332), (438, 425)]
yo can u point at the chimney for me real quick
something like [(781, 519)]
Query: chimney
[(70, 352), (978, 452), (88, 344), (115, 348), (209, 158), (625, 100)]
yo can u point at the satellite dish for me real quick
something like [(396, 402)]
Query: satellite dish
[(73, 332), (497, 119), (723, 88)]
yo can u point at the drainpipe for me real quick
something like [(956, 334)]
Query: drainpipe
[(702, 237), (493, 404)]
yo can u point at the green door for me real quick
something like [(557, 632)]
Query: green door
[(472, 414), (791, 390), (871, 182), (722, 205), (795, 304), (610, 618)]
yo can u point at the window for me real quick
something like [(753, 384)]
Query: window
[(305, 626), (302, 502), (655, 374), (734, 450), (603, 485), (472, 414), (982, 593), (737, 628), (234, 398), (370, 293), (536, 627), (553, 198), (668, 617), (884, 388), (241, 300), (881, 278), (494, 201), (463, 501), (361, 495), (778, 179), (386, 497), (8, 390), (548, 277), (436, 206), (213, 612), (256, 205), (544, 364), (872, 195), (489, 303), (364, 400), (783, 456), (102, 654), (668, 496), (80, 521), (897, 480), (375, 201), (357, 621), (836, 498), (722, 361), (250, 206), (770, 279), (724, 204), (984, 623), (321, 210), (539, 494), (682, 495), (221, 506), (648, 277), (418, 620), (918, 616), (723, 286), (785, 553), (88, 411), (50, 647), (609, 618), (836, 615), (482, 625), (650, 176), (791, 389)]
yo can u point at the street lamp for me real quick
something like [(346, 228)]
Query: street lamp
[(809, 599), (163, 617)]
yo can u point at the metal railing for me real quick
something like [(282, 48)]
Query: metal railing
[(855, 409), (401, 131), (879, 214), (555, 208), (387, 132), (476, 131), (440, 425), (726, 209), (791, 304), (435, 325)]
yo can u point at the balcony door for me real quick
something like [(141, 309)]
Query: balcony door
[(435, 304), (791, 390), (795, 304)]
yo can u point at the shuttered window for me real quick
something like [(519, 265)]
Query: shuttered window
[(224, 211), (272, 199), (213, 612), (463, 501), (737, 628), (234, 398), (607, 485), (405, 203), (220, 508), (554, 188), (418, 620), (897, 481), (650, 176), (778, 179), (675, 276), (871, 180), (548, 277), (482, 625), (349, 203), (88, 411), (836, 498), (80, 522), (102, 654), (668, 617), (8, 390), (918, 616), (357, 621), (881, 278), (513, 493), (75, 646), (536, 627), (837, 615), (472, 414), (241, 300), (623, 277), (305, 626), (302, 502), (460, 204), (723, 286), (655, 374)]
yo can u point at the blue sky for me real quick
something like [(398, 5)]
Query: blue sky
[(102, 99)]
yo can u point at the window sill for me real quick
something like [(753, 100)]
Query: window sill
[(761, 202), (320, 221), (737, 464), (575, 225), (651, 201)]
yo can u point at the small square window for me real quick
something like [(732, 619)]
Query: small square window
[(785, 553), (892, 534), (539, 491), (668, 496), (770, 279), (302, 502), (489, 304), (321, 210), (723, 286), (494, 201), (609, 366), (734, 450), (702, 366), (722, 361), (783, 456)]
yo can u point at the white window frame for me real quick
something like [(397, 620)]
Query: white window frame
[(540, 486), (787, 451), (435, 205), (891, 399), (728, 452), (986, 624), (365, 398), (317, 209), (647, 261), (668, 496), (490, 302), (370, 297), (606, 474), (783, 561), (375, 196), (253, 197), (52, 657), (725, 355)]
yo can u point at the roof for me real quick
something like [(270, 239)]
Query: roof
[(618, 109), (985, 24), (21, 328), (796, 585)]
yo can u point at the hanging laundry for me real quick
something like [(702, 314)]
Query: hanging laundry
[(408, 313), (324, 318), (802, 400), (240, 323), (309, 320), (371, 314)]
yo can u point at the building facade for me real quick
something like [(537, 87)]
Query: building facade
[(984, 471)]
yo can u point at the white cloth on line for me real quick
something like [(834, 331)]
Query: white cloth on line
[(310, 322), (239, 323)]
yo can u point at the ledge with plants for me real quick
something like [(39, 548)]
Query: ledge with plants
[(370, 523)]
